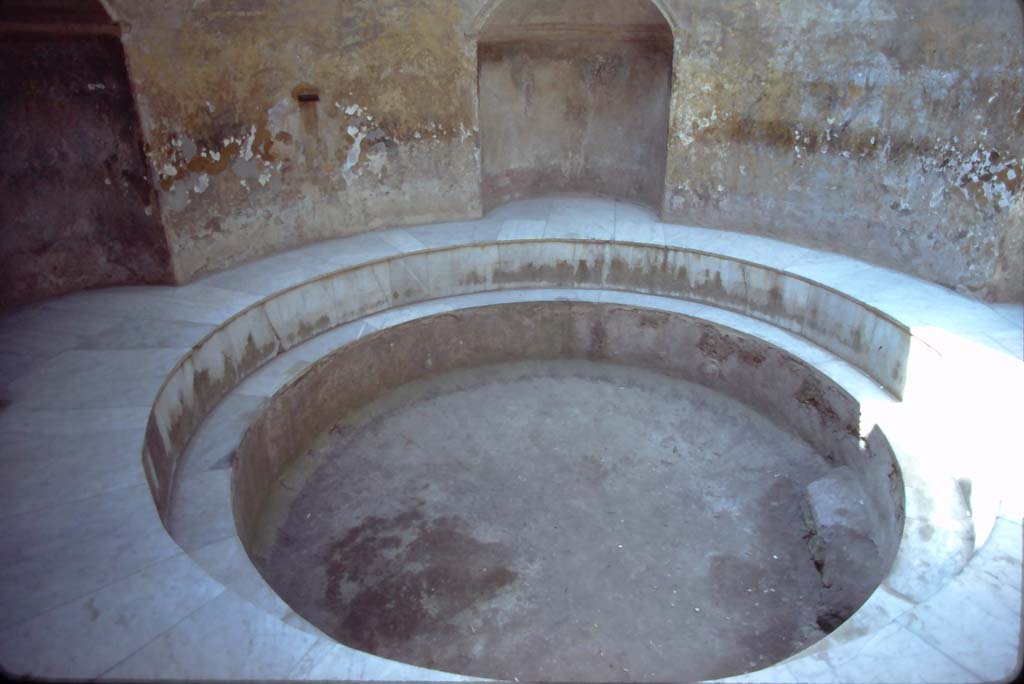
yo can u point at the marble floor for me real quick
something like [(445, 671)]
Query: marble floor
[(93, 584)]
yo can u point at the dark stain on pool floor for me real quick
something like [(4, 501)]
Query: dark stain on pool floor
[(390, 579), (552, 521)]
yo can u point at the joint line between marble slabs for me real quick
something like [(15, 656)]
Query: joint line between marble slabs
[(273, 329), (939, 650), (415, 277), (13, 405), (106, 492), (298, 663), (179, 552), (168, 629), (219, 540)]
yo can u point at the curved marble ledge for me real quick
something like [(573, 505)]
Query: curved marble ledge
[(202, 512), (94, 586), (871, 340)]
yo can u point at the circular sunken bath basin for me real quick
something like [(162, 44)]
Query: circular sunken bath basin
[(567, 491)]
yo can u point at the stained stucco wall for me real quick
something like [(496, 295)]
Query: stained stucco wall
[(890, 130), (244, 169), (77, 208), (568, 114)]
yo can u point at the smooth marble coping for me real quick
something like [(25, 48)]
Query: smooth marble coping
[(870, 339), (202, 512), (201, 508), (95, 587)]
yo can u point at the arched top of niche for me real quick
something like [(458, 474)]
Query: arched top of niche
[(497, 19)]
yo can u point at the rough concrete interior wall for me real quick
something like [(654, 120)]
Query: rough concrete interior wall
[(77, 208), (585, 114), (245, 167), (889, 130)]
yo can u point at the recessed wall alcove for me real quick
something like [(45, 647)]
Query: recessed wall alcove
[(78, 207), (574, 97)]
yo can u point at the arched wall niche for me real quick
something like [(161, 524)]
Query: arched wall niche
[(482, 17), (574, 97), (74, 135)]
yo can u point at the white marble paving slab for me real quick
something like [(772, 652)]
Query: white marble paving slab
[(985, 599), (70, 540), (402, 240), (94, 379), (892, 654), (638, 230), (62, 423), (208, 517), (702, 239), (86, 637), (35, 585), (581, 218), (39, 343), (211, 446), (194, 303), (522, 229), (533, 208), (147, 334), (268, 275), (331, 661), (14, 365), (38, 472), (629, 212), (46, 317), (259, 646), (82, 520), (227, 562)]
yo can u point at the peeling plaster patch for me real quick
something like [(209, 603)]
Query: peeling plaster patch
[(376, 159), (352, 158), (176, 198), (202, 183), (278, 114), (983, 175), (168, 171), (247, 146), (692, 125)]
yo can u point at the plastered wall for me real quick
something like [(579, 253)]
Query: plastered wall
[(890, 130), (77, 208)]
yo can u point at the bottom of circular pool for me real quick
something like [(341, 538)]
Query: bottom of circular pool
[(571, 519)]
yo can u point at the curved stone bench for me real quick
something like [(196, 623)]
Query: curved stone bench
[(937, 349), (468, 333), (224, 431), (868, 338)]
